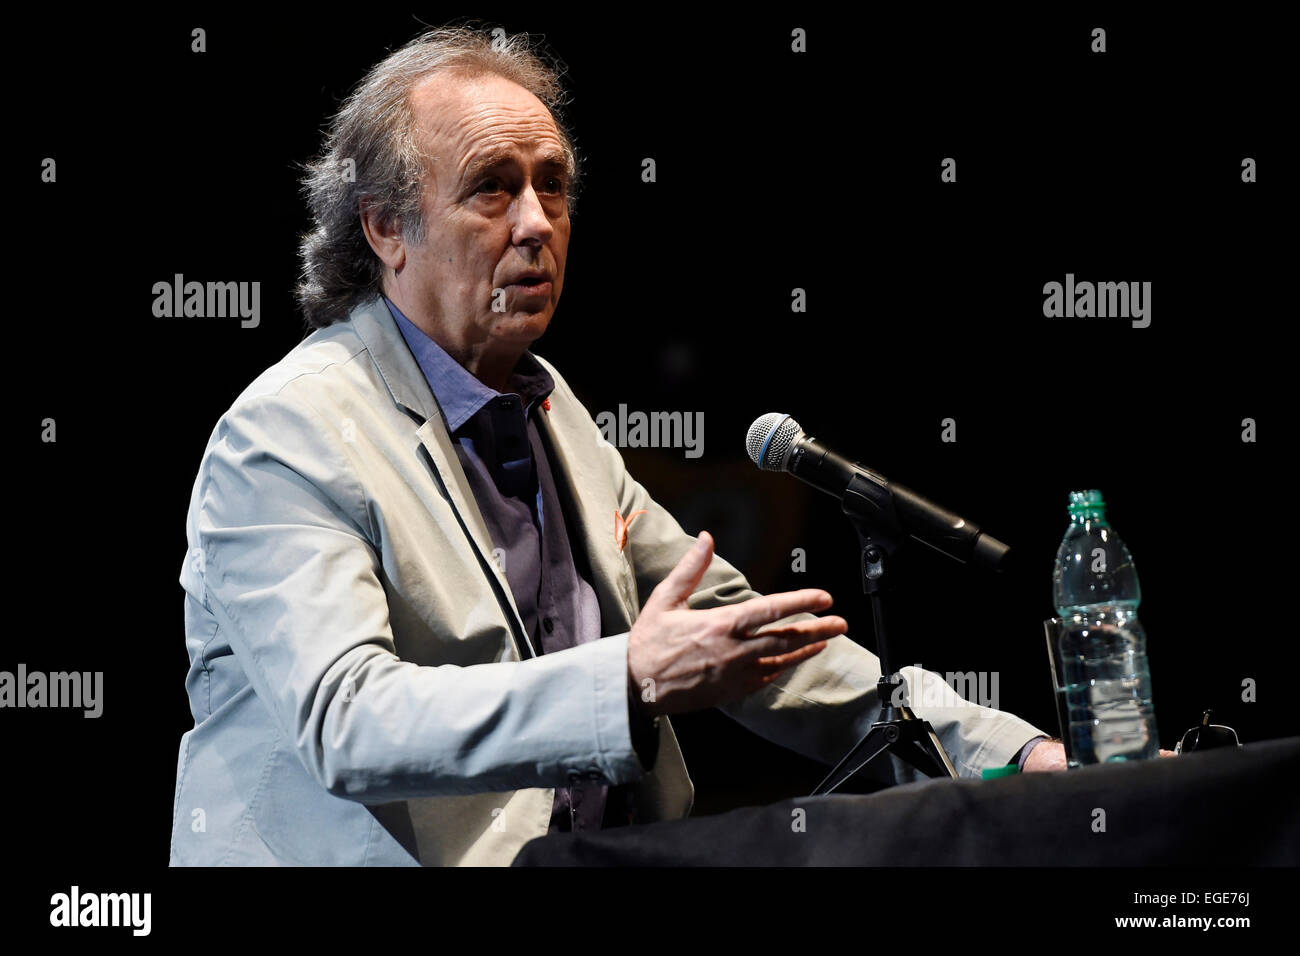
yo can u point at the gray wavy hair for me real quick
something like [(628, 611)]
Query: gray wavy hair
[(374, 129)]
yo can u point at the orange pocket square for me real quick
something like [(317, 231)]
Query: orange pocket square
[(621, 526)]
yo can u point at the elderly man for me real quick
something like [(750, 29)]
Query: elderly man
[(430, 616)]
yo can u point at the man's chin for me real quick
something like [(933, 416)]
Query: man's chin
[(521, 325)]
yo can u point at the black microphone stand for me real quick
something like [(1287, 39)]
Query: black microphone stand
[(898, 730)]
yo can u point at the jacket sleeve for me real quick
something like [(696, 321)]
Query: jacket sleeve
[(822, 707), (292, 578)]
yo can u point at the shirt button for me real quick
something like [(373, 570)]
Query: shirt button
[(548, 625)]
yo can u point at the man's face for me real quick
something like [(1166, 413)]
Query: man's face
[(495, 211)]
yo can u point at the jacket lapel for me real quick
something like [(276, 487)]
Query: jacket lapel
[(592, 511), (407, 385)]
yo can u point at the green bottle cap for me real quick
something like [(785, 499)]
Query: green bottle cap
[(1087, 504), (989, 773)]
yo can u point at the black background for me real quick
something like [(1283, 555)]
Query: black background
[(775, 171)]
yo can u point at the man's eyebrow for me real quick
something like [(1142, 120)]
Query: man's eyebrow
[(500, 157)]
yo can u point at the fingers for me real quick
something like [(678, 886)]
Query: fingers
[(819, 627), (682, 580), (768, 669), (780, 644), (758, 611), (776, 664)]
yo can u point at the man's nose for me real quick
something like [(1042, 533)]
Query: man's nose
[(530, 220)]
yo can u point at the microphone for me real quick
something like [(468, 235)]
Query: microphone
[(775, 442)]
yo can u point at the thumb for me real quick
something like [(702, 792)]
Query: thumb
[(685, 577)]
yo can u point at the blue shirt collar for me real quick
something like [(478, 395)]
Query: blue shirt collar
[(460, 395)]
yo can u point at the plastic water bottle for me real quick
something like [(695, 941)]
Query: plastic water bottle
[(1107, 682)]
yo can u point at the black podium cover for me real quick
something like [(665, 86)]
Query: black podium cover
[(1230, 807)]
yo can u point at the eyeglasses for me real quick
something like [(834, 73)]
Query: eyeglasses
[(1207, 736)]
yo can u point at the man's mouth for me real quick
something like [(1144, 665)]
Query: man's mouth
[(530, 278), (532, 284)]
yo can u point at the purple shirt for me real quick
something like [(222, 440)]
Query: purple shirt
[(497, 441)]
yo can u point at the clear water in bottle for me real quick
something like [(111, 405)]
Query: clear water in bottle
[(1107, 681)]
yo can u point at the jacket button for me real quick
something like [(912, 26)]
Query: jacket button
[(548, 625)]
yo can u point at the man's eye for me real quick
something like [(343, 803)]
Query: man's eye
[(489, 186), (554, 184)]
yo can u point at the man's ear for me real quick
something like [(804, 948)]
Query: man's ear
[(384, 233)]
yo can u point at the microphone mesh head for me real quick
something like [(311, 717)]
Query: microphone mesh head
[(769, 438)]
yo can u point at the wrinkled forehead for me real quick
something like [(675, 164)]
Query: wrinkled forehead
[(461, 118)]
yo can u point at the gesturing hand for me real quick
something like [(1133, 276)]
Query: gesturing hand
[(702, 658)]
